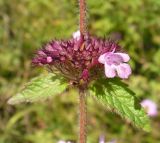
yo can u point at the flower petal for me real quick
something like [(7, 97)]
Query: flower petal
[(125, 56), (101, 59), (76, 35), (123, 70), (110, 71)]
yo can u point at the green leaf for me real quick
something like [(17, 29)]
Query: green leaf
[(39, 89), (116, 96)]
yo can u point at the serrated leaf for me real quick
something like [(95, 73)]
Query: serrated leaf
[(117, 96), (39, 89)]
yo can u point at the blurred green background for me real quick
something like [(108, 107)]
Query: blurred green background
[(26, 24)]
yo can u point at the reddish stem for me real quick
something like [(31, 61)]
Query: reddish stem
[(82, 92), (82, 116), (82, 20)]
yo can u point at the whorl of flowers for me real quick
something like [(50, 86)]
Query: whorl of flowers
[(81, 58)]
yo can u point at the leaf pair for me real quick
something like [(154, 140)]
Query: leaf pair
[(112, 93)]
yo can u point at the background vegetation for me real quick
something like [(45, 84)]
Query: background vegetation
[(26, 24)]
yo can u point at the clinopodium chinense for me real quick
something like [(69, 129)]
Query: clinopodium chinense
[(81, 58)]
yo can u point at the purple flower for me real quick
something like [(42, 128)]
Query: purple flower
[(101, 139), (150, 107), (115, 64), (77, 58)]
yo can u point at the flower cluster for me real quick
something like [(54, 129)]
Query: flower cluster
[(81, 58)]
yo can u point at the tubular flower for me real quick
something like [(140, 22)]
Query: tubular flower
[(77, 58), (115, 64)]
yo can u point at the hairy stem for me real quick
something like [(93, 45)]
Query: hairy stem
[(82, 116), (82, 18), (82, 92)]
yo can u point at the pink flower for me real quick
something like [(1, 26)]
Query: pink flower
[(150, 107), (115, 64), (101, 139)]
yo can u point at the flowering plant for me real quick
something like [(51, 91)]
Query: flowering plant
[(91, 65)]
